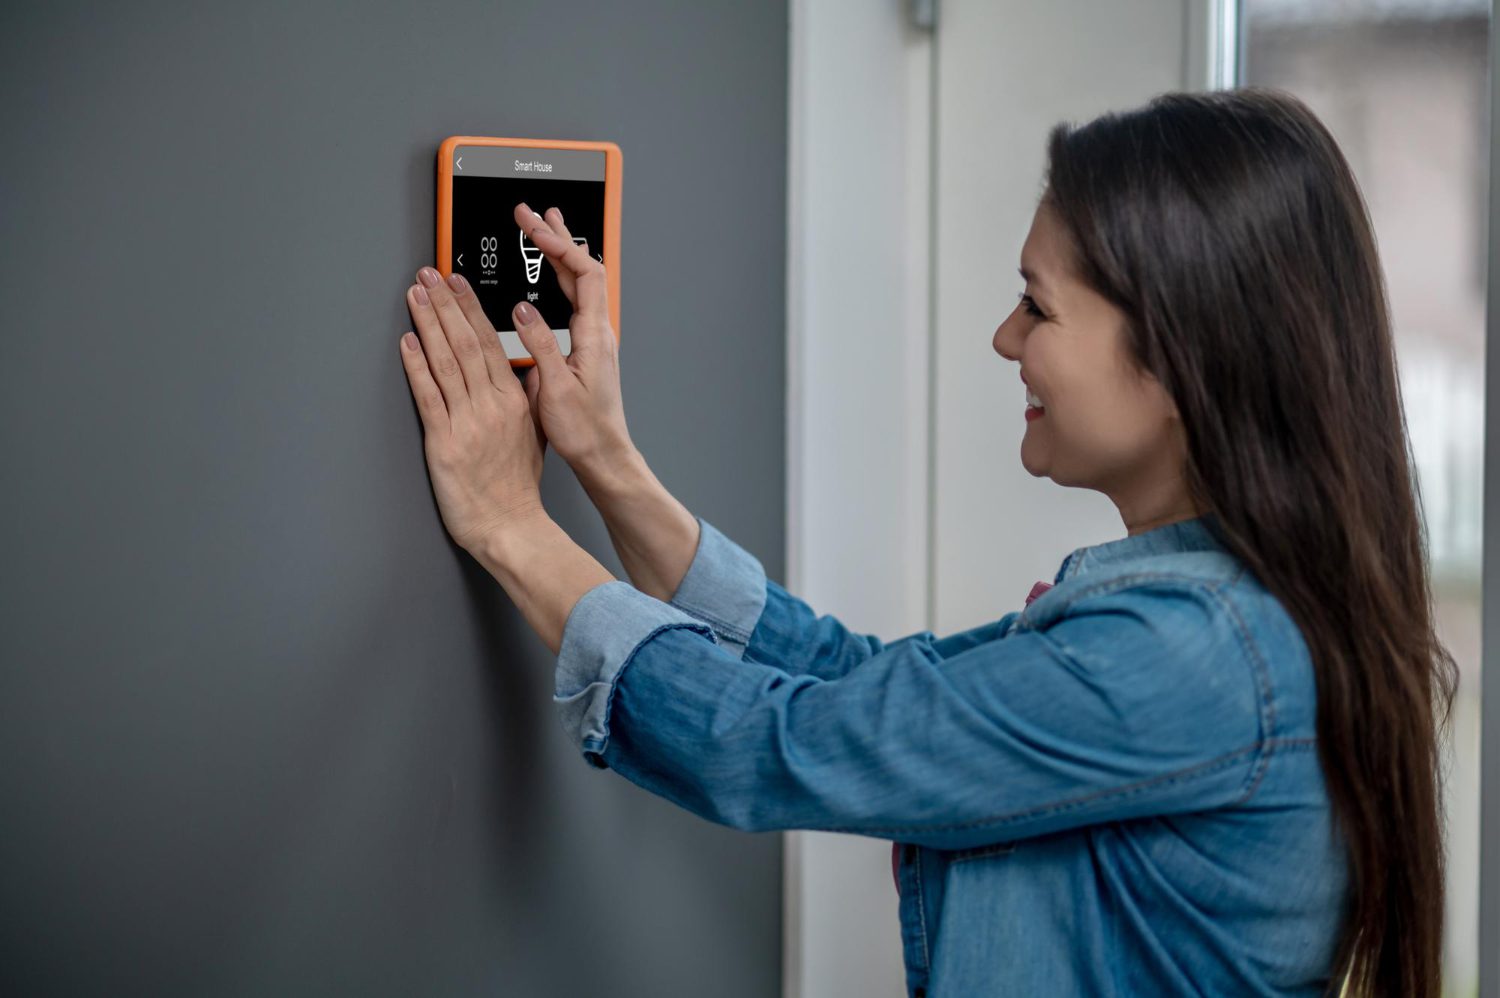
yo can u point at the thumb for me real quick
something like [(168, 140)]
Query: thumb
[(533, 383), (538, 339)]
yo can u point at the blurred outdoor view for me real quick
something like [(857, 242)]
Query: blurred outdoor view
[(1403, 86)]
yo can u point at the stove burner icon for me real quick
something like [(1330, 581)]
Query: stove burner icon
[(531, 256)]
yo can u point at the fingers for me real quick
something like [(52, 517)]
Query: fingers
[(424, 389), (565, 280), (501, 375), (539, 340), (440, 359), (456, 329), (591, 291)]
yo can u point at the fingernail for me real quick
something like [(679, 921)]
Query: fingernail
[(420, 294), (429, 277), (409, 341), (525, 313), (559, 214), (457, 283)]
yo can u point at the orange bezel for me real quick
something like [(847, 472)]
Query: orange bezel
[(612, 168)]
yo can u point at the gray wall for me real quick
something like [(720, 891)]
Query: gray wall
[(263, 728)]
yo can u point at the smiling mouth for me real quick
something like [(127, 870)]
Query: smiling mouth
[(1032, 402)]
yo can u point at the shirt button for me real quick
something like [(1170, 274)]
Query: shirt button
[(920, 993), (909, 853)]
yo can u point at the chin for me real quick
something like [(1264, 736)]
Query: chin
[(1035, 466)]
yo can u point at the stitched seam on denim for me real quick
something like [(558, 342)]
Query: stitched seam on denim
[(911, 927), (922, 915), (719, 624), (614, 682), (1005, 848), (982, 852), (1268, 697), (1072, 804), (723, 626), (1121, 582)]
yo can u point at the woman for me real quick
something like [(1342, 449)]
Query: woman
[(1204, 761)]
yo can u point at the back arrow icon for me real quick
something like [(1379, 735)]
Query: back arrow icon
[(461, 260), (460, 163)]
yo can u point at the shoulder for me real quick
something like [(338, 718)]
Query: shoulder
[(1166, 639), (1182, 597), (1201, 618)]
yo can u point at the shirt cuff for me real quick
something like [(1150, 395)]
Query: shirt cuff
[(602, 633), (725, 587)]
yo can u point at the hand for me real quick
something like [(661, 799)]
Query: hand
[(484, 452), (575, 399)]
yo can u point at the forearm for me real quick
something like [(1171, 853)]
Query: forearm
[(654, 535), (543, 571)]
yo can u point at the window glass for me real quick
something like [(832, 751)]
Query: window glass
[(1403, 85)]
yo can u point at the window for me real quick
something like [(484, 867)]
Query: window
[(1403, 85)]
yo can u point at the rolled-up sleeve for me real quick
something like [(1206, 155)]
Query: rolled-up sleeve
[(1141, 702), (603, 631), (725, 587), (756, 620)]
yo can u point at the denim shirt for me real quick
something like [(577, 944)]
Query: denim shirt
[(1115, 790)]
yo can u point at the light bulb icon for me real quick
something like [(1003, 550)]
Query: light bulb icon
[(531, 256)]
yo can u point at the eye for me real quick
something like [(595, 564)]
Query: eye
[(1030, 304)]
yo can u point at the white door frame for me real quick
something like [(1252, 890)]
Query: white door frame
[(857, 417)]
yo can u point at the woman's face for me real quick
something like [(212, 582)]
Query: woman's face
[(1103, 424)]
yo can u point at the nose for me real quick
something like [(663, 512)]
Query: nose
[(1007, 341)]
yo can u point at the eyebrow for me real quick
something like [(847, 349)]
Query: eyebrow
[(1030, 278)]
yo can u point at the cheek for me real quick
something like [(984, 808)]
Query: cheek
[(1103, 423)]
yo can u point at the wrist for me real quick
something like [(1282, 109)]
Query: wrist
[(654, 535), (617, 473), (543, 571), (506, 545)]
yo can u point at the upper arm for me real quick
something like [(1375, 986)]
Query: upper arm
[(726, 587), (794, 638)]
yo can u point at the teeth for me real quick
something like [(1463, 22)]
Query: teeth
[(1031, 399)]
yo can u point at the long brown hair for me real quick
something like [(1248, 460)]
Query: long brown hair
[(1230, 230)]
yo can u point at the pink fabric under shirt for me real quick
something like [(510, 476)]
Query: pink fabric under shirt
[(1036, 591)]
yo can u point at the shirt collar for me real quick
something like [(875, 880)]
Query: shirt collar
[(1201, 533)]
